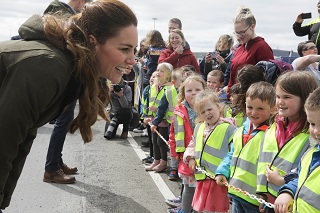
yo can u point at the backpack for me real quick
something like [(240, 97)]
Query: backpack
[(273, 69)]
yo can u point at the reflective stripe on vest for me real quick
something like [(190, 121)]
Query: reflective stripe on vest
[(144, 103), (210, 153), (178, 134), (155, 97), (243, 167), (307, 198), (171, 96), (284, 160)]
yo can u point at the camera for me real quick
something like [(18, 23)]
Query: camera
[(214, 54), (117, 87), (111, 128)]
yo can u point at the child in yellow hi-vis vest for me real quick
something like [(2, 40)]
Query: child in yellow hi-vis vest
[(287, 138), (305, 188), (145, 114), (181, 131), (157, 91), (165, 111), (210, 144), (240, 165)]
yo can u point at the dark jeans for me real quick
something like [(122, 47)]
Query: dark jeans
[(58, 136), (243, 207)]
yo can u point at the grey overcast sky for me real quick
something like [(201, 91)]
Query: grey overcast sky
[(203, 20)]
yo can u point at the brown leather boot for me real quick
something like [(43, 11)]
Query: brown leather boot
[(58, 177), (67, 170), (161, 166), (124, 135)]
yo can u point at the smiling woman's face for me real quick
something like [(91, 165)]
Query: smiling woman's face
[(175, 40), (117, 53)]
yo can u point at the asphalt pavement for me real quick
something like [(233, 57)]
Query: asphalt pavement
[(111, 178)]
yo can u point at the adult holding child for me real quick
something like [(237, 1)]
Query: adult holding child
[(253, 48), (56, 63), (177, 53)]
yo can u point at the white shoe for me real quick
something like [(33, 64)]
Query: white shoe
[(144, 133), (136, 130)]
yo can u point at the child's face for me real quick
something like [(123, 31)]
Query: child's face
[(191, 89), (288, 105), (177, 82), (213, 82), (313, 117), (161, 74), (233, 98), (257, 111), (153, 78), (210, 113)]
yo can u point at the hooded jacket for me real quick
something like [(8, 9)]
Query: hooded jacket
[(179, 60), (36, 83), (250, 53)]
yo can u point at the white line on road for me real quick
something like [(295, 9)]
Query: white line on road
[(162, 186)]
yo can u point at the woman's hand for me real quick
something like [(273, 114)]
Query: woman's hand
[(273, 176), (208, 58), (283, 203), (179, 49), (220, 59), (141, 61)]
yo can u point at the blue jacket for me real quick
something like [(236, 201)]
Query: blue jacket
[(292, 186)]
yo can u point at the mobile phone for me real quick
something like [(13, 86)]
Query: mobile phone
[(306, 15), (213, 54)]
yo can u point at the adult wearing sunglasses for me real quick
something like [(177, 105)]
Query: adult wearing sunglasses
[(308, 60), (253, 48)]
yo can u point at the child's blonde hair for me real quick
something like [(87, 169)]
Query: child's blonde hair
[(198, 78), (245, 14), (177, 74), (224, 41), (301, 84), (167, 68), (202, 99), (217, 73)]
